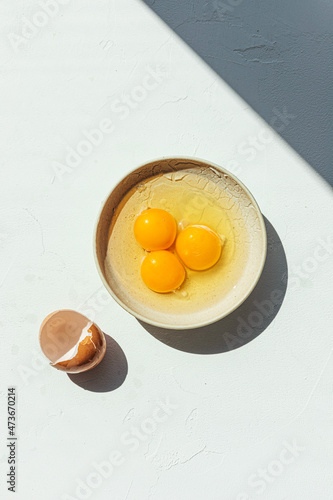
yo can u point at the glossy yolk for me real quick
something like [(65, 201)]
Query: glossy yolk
[(199, 247), (155, 229), (162, 271)]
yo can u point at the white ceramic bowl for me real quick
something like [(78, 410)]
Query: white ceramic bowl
[(251, 218)]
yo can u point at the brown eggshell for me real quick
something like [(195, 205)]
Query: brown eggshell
[(61, 331)]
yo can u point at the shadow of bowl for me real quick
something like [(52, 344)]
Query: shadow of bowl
[(109, 375), (245, 323)]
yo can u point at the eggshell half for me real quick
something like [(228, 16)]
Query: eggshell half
[(71, 342)]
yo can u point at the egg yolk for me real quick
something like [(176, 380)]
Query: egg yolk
[(199, 247), (162, 271), (155, 229)]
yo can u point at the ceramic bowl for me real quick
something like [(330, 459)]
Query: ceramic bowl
[(249, 217)]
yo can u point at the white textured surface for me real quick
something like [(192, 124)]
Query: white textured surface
[(234, 412)]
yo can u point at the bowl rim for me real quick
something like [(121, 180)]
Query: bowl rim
[(218, 317)]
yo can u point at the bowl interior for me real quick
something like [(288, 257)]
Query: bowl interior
[(249, 221)]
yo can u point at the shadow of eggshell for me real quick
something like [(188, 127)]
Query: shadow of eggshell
[(71, 342), (109, 375)]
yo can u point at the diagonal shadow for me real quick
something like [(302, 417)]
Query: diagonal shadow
[(275, 55), (248, 321)]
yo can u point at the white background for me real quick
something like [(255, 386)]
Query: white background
[(232, 413)]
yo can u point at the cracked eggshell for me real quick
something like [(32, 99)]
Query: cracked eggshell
[(71, 342)]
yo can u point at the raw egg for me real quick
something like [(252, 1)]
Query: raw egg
[(155, 229), (162, 271), (199, 247), (192, 197)]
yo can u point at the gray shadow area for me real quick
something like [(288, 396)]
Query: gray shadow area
[(245, 323), (109, 375), (275, 55)]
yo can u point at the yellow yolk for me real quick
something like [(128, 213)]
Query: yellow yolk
[(199, 247), (162, 271), (155, 229)]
